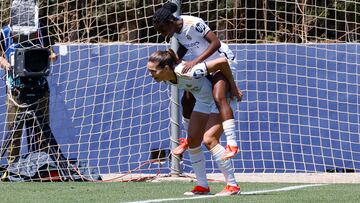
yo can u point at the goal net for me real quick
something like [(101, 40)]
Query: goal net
[(297, 68)]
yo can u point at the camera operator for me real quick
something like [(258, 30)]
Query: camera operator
[(27, 94)]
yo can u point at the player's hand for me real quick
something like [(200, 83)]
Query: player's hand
[(236, 93), (188, 66)]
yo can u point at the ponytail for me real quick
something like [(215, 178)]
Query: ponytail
[(164, 58), (174, 56)]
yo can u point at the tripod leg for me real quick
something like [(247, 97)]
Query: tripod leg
[(47, 139), (31, 135)]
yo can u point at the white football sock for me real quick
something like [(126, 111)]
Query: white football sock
[(225, 167), (229, 130), (185, 123), (197, 159)]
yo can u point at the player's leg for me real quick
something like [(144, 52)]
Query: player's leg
[(187, 103), (197, 126), (211, 141), (220, 91)]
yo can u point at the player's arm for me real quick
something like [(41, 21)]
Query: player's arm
[(214, 45)]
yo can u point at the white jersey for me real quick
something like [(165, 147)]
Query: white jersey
[(196, 83), (192, 37)]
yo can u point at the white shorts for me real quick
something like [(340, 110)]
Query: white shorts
[(211, 108), (233, 67)]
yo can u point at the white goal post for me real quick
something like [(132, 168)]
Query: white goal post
[(297, 67)]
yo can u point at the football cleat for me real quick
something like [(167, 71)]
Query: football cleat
[(229, 190), (183, 145), (198, 190), (230, 152)]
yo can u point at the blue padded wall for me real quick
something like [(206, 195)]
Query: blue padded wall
[(300, 111)]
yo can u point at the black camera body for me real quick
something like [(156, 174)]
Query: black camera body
[(31, 62), (30, 92), (31, 65)]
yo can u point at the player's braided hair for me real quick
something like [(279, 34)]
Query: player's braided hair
[(164, 58), (165, 13)]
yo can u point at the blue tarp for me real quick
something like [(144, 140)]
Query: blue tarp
[(300, 111)]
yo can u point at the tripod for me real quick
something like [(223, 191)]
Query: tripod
[(39, 136)]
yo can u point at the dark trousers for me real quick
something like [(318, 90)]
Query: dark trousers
[(35, 118)]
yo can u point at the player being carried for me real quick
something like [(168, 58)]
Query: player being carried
[(193, 34)]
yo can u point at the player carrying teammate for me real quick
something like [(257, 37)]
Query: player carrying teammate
[(193, 34), (205, 122)]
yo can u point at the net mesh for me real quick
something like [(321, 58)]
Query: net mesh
[(297, 68)]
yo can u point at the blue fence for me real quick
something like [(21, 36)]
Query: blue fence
[(300, 110)]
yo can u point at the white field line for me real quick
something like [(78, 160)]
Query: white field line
[(242, 193)]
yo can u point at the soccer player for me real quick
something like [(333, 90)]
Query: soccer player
[(193, 34), (205, 121)]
